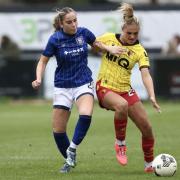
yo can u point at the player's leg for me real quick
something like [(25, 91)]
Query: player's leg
[(139, 116), (60, 119), (84, 98), (61, 113), (85, 108), (118, 104)]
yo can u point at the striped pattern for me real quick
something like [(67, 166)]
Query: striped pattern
[(71, 52)]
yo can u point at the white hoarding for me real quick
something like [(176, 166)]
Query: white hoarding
[(31, 30)]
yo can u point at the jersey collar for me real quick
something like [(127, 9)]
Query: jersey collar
[(118, 38)]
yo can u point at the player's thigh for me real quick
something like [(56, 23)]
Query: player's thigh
[(113, 101), (84, 98), (138, 115), (85, 104), (63, 98), (60, 119), (62, 104)]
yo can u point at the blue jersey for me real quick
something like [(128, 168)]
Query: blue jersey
[(71, 52)]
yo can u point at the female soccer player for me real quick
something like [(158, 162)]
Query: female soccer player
[(72, 80), (114, 90)]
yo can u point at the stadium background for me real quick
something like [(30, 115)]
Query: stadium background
[(29, 24), (25, 117)]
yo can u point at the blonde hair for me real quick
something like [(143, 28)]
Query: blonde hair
[(128, 15), (60, 17)]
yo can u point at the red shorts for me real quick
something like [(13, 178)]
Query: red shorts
[(131, 97)]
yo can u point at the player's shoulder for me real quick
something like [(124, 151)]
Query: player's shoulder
[(107, 36), (57, 35), (83, 31), (139, 46), (140, 50)]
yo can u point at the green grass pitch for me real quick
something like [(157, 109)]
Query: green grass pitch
[(28, 151)]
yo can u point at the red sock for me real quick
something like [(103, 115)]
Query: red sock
[(148, 149), (120, 129)]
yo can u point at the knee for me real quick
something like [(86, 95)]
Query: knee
[(85, 110), (122, 107), (59, 126), (60, 120)]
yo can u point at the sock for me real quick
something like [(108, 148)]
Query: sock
[(147, 146), (62, 142), (120, 143), (72, 145), (81, 129), (120, 129), (148, 164)]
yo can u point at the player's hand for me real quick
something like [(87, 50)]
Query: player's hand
[(155, 104), (36, 84), (116, 50)]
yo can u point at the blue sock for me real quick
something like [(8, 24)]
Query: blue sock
[(62, 142), (81, 129)]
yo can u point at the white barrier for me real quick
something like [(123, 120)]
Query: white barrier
[(31, 30)]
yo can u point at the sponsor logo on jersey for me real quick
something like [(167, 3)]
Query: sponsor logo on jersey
[(123, 62), (74, 51)]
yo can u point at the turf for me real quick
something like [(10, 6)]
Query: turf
[(28, 151)]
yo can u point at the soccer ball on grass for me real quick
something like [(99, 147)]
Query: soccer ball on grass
[(164, 165)]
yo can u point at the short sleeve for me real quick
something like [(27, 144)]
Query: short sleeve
[(49, 51), (90, 37), (143, 59)]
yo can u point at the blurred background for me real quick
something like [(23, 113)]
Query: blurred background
[(27, 25)]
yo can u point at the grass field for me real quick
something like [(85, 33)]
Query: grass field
[(28, 151)]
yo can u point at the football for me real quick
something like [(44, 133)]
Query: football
[(164, 165)]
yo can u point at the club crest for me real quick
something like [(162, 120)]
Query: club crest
[(80, 40)]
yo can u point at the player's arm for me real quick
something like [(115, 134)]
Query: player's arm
[(148, 83), (41, 66), (102, 47)]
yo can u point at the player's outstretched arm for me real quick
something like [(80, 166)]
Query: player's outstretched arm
[(148, 83), (115, 50), (41, 66)]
